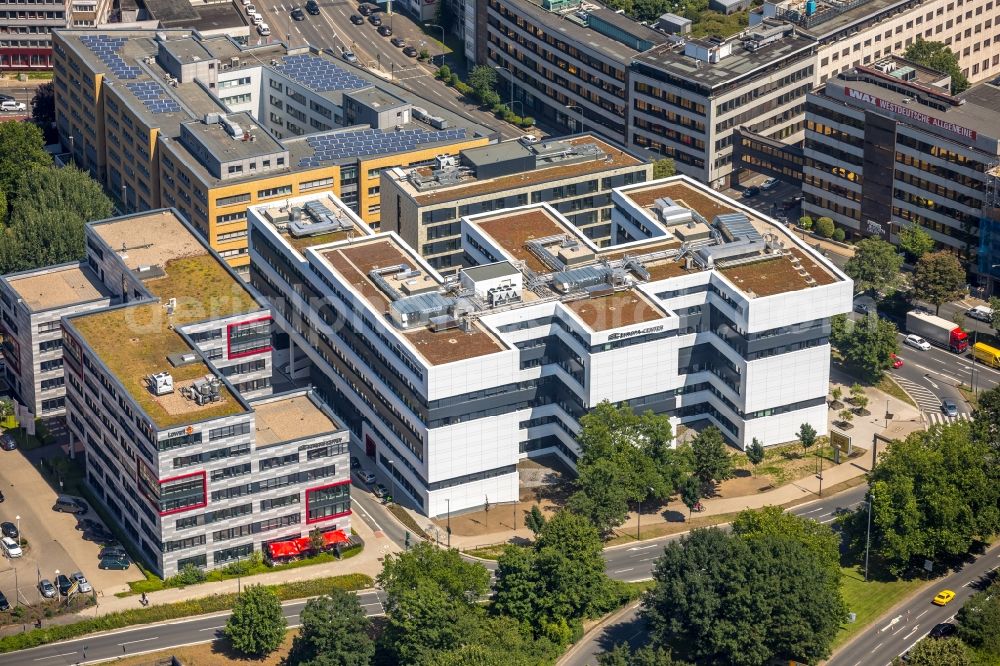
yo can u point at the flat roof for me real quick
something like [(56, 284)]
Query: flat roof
[(378, 99), (354, 262), (512, 229), (855, 15), (226, 148), (61, 286), (616, 158), (287, 419), (738, 64), (276, 214), (491, 271), (133, 341), (622, 308), (558, 24)]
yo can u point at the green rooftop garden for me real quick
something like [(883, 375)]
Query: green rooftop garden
[(133, 342)]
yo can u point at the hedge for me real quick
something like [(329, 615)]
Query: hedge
[(153, 614)]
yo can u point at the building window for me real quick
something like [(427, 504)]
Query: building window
[(328, 502), (249, 337), (274, 192), (230, 554), (199, 561)]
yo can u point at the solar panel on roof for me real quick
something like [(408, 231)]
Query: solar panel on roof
[(328, 148), (153, 96), (319, 74)]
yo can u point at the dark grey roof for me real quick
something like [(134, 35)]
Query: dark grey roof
[(490, 271), (497, 152)]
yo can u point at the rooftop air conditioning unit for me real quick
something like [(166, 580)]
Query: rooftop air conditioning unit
[(162, 383)]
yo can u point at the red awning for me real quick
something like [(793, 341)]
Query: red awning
[(335, 536), (284, 549)]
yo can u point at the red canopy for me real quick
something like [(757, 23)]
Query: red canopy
[(283, 549), (295, 547), (334, 536)]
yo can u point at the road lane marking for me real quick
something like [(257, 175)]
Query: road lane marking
[(642, 547), (876, 647), (912, 631), (806, 513), (623, 570), (828, 520), (212, 628), (140, 640), (55, 656)]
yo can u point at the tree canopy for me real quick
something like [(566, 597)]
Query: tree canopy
[(822, 541), (663, 168), (875, 267), (979, 620), (939, 652), (745, 601), (938, 278), (22, 148), (257, 626), (933, 494), (937, 55), (334, 633), (915, 241), (712, 461), (867, 344)]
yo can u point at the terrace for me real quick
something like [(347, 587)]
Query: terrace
[(354, 262), (623, 308), (134, 341), (289, 418), (51, 288)]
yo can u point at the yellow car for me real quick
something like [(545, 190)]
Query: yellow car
[(943, 598)]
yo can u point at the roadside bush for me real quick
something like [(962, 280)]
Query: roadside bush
[(806, 222), (527, 121), (824, 227), (839, 235), (245, 566), (424, 54), (444, 72), (463, 88), (453, 80), (189, 575)]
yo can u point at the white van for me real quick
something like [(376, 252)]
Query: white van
[(980, 312), (263, 30)]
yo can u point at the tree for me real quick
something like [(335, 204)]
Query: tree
[(938, 278), (837, 393), (257, 625), (535, 520), (937, 55), (875, 267), (846, 416), (49, 208), (335, 632), (22, 149), (824, 227), (691, 493), (979, 620), (755, 454), (915, 241), (431, 602), (664, 168), (986, 419), (43, 105), (744, 601), (868, 345), (482, 78), (772, 520), (939, 652), (838, 235), (859, 397), (806, 222), (933, 495), (498, 641), (621, 655), (316, 541), (806, 435), (712, 462)]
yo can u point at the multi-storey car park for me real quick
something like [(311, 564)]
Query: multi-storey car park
[(888, 146), (165, 377), (206, 126), (701, 309), (576, 174), (577, 63)]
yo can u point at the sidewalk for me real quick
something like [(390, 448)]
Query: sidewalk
[(905, 420), (369, 562)]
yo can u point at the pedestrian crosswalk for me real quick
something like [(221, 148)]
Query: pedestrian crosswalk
[(928, 402)]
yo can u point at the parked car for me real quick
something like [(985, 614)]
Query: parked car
[(357, 20), (364, 9), (751, 191), (918, 342), (66, 504), (258, 20), (46, 587), (114, 562), (385, 31), (7, 442), (85, 524), (366, 477), (410, 51), (298, 14), (948, 407), (980, 313), (379, 490), (528, 139), (355, 463), (895, 361), (943, 598), (349, 56), (4, 604), (63, 583), (862, 308), (9, 530), (312, 7), (264, 30), (769, 183), (112, 550), (398, 42), (10, 547), (375, 19), (83, 585), (10, 105), (943, 630), (250, 10)]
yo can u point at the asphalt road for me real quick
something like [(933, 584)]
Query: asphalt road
[(636, 563), (332, 29), (151, 638), (892, 636)]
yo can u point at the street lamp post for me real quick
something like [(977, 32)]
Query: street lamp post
[(124, 198), (868, 538), (448, 503), (638, 523), (510, 81), (392, 477), (434, 25), (583, 125), (72, 149)]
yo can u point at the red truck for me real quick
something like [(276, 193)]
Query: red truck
[(937, 331)]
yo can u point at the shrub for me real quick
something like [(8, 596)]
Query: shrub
[(839, 235), (806, 222), (454, 80), (527, 121), (463, 88), (424, 54), (824, 227), (444, 72)]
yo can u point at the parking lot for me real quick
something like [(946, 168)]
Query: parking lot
[(53, 542)]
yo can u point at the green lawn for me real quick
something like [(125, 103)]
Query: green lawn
[(869, 600)]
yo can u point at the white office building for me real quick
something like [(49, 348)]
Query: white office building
[(700, 308)]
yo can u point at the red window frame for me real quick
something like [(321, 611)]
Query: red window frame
[(310, 521), (200, 505), (229, 338)]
